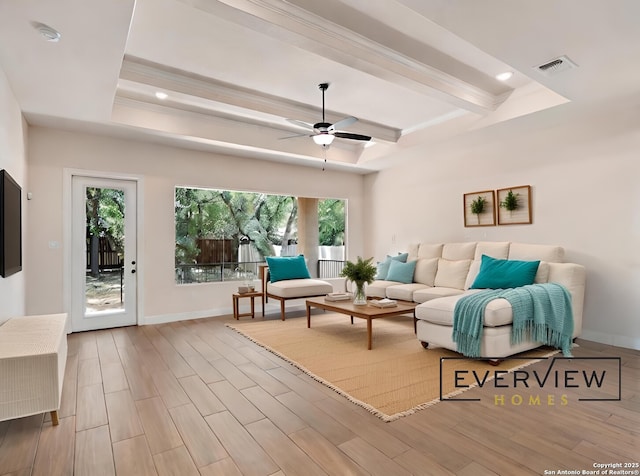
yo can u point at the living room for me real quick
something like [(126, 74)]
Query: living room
[(580, 159)]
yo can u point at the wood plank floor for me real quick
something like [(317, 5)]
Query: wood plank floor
[(195, 398)]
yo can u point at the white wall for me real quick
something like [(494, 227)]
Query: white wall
[(13, 158), (161, 169), (584, 170)]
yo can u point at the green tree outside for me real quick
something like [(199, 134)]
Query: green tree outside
[(262, 220)]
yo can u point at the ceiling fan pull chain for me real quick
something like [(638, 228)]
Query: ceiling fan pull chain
[(324, 154)]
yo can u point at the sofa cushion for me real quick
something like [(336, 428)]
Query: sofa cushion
[(383, 266), (401, 272), (430, 250), (379, 288), (404, 292), (292, 288), (425, 272), (287, 267), (459, 251), (527, 252), (428, 293), (440, 311), (495, 249), (452, 274), (503, 274)]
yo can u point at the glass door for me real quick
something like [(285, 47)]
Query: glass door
[(103, 253)]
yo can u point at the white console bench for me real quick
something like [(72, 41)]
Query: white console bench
[(33, 356)]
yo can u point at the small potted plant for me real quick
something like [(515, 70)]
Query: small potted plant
[(477, 206), (360, 272)]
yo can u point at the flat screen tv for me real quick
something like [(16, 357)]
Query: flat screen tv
[(10, 225)]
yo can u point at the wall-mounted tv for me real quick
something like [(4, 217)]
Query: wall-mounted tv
[(10, 225)]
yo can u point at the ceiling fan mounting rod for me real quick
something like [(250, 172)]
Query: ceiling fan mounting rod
[(323, 87)]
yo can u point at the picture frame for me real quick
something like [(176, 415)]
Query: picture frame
[(488, 215), (520, 197)]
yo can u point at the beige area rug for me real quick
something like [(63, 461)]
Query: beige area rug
[(396, 378)]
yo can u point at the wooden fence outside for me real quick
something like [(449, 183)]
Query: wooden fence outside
[(216, 250), (107, 257)]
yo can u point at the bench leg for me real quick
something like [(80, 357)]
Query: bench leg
[(54, 418), (282, 309)]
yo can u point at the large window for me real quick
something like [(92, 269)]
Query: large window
[(224, 235)]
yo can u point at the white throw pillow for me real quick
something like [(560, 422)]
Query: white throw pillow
[(425, 272), (474, 269), (542, 276), (452, 274), (412, 249)]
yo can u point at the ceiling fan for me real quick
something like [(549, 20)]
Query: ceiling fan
[(324, 132)]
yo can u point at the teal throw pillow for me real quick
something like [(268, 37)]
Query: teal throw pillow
[(504, 273), (287, 267), (383, 267), (401, 272)]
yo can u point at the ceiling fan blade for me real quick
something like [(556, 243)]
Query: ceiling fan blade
[(293, 136), (342, 123), (348, 135), (306, 125)]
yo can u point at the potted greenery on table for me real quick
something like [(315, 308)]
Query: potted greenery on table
[(360, 272)]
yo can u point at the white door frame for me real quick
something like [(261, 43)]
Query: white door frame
[(68, 174)]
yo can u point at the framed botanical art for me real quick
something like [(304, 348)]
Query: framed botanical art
[(479, 208), (514, 205)]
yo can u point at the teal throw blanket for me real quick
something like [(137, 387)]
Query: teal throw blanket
[(541, 312)]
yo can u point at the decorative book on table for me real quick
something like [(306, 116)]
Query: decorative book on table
[(338, 297), (383, 302)]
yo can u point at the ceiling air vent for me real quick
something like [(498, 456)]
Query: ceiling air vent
[(556, 65)]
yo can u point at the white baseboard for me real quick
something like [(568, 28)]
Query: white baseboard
[(272, 307), (609, 339), (183, 316)]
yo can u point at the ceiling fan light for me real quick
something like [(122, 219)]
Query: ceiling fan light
[(323, 139)]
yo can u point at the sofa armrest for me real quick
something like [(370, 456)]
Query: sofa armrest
[(573, 277)]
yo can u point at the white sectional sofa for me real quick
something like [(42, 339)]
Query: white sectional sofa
[(444, 272)]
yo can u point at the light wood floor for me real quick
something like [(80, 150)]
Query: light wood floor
[(194, 397)]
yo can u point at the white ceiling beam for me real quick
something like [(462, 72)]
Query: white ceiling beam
[(313, 33), (171, 79)]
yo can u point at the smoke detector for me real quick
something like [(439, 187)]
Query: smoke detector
[(556, 65), (47, 32)]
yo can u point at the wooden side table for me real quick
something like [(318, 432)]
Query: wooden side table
[(236, 304)]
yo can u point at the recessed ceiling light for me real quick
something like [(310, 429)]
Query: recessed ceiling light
[(504, 76), (161, 95), (47, 32)]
